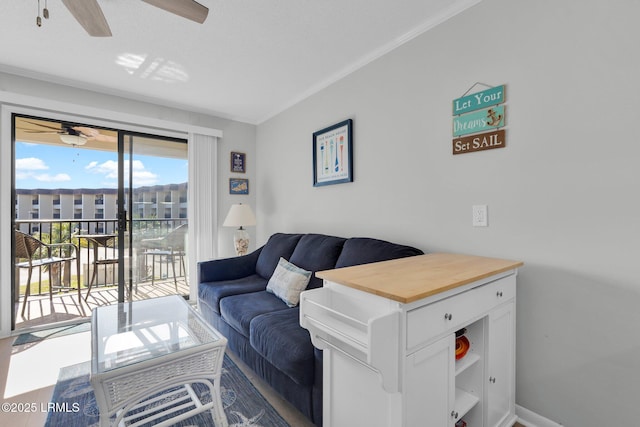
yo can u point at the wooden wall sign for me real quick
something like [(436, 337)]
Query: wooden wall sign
[(476, 101), (479, 120), (479, 142)]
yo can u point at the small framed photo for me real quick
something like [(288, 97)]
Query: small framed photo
[(238, 186), (333, 154), (238, 162)]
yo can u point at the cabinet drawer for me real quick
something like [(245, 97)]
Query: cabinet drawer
[(445, 316)]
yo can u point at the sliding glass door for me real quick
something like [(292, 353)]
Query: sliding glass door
[(155, 174), (118, 198)]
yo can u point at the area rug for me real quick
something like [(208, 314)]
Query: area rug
[(31, 337), (74, 405)]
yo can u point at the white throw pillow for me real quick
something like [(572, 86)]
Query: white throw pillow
[(288, 281)]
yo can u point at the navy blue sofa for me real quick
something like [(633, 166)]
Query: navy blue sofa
[(261, 329)]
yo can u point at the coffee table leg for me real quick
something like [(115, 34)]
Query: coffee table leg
[(219, 417)]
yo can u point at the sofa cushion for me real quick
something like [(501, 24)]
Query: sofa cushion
[(238, 310), (317, 252), (363, 250), (278, 245), (212, 293), (288, 281), (278, 337)]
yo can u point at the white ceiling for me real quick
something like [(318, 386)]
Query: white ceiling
[(250, 60)]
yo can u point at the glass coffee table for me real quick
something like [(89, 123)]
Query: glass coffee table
[(147, 356)]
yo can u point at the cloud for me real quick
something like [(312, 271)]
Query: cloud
[(30, 164), (23, 175), (142, 178), (28, 167), (109, 169), (45, 177)]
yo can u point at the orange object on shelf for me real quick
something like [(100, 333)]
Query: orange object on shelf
[(462, 346)]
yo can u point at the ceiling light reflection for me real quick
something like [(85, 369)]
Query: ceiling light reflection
[(155, 69)]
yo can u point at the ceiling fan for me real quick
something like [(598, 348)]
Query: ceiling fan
[(89, 14), (70, 133)]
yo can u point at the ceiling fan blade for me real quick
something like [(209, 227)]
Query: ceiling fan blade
[(89, 14), (40, 124), (189, 9), (92, 134), (41, 132)]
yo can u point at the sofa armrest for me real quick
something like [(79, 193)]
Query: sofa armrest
[(228, 268)]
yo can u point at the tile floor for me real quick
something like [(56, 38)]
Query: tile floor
[(29, 372)]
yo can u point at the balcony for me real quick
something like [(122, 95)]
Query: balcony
[(65, 306)]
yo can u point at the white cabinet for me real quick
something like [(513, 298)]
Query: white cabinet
[(390, 361), (430, 406), (501, 365)]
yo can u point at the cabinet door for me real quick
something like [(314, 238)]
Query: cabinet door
[(501, 351), (429, 385)]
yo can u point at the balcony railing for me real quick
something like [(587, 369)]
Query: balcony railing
[(64, 230)]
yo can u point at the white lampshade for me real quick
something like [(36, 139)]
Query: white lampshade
[(240, 216)]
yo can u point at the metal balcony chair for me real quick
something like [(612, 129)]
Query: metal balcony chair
[(170, 246), (109, 244), (31, 253)]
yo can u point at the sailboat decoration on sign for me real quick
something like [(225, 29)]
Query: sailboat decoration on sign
[(333, 155)]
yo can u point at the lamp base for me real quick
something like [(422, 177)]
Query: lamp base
[(241, 241)]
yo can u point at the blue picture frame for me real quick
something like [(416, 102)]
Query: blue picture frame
[(333, 154), (238, 186)]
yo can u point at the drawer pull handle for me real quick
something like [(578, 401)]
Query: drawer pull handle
[(454, 415), (499, 294), (492, 380), (448, 316)]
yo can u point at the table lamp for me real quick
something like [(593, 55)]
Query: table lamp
[(240, 215)]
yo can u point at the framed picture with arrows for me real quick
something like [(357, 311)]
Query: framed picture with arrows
[(333, 154)]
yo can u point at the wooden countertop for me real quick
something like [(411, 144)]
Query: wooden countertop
[(409, 279)]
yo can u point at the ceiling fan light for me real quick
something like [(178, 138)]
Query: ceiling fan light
[(73, 139)]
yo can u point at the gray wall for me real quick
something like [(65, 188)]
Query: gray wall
[(237, 136), (562, 195)]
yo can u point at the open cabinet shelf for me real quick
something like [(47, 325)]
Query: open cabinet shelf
[(466, 362), (469, 374), (465, 402)]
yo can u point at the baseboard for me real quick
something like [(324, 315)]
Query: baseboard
[(530, 419)]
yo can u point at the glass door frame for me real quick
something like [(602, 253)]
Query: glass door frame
[(144, 120), (124, 241), (125, 213)]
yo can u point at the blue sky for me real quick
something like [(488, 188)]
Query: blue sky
[(47, 166)]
